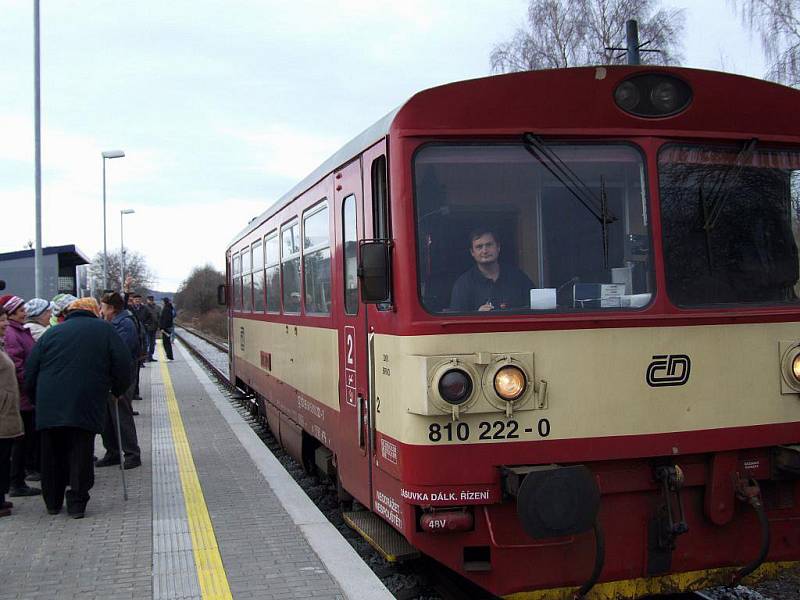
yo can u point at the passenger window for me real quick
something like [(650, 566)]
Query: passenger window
[(350, 237), (247, 282), (258, 277), (380, 199), (273, 273), (236, 282), (317, 261), (290, 267)]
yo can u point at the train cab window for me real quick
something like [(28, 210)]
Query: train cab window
[(731, 224), (273, 272), (236, 283), (257, 253), (350, 238), (247, 282), (317, 260), (290, 267), (380, 199), (533, 228)]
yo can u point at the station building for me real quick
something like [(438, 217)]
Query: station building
[(59, 263)]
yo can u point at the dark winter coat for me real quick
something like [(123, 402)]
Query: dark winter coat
[(125, 325), (165, 322), (72, 369), (151, 322), (19, 343)]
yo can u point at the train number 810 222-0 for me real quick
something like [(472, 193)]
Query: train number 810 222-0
[(487, 430)]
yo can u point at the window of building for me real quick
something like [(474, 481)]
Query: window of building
[(290, 266), (273, 272), (317, 260), (350, 237)]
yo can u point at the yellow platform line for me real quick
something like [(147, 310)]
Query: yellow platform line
[(208, 562)]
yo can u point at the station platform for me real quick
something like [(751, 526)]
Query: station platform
[(210, 514)]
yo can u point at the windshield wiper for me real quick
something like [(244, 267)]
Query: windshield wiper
[(597, 207)]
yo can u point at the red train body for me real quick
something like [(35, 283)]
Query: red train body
[(655, 213)]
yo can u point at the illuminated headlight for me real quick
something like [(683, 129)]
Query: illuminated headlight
[(796, 368), (510, 383), (455, 386)]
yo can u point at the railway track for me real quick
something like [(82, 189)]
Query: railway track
[(422, 579)]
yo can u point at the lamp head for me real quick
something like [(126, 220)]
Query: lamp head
[(113, 154), (127, 211)]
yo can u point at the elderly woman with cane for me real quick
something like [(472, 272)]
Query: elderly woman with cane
[(69, 374)]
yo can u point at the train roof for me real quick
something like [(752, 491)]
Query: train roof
[(498, 108)]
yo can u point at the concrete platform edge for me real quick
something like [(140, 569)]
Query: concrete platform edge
[(354, 577)]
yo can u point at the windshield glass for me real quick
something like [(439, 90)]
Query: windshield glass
[(730, 222), (531, 227)]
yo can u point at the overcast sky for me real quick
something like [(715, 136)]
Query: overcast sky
[(221, 107)]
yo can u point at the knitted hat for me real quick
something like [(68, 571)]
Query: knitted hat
[(87, 304), (35, 307), (12, 303), (3, 300), (60, 302)]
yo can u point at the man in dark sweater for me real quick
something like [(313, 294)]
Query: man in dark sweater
[(69, 374), (489, 285), (166, 324)]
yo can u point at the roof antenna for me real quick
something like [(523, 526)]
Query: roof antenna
[(633, 48)]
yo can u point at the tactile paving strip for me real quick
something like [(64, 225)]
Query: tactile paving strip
[(174, 571)]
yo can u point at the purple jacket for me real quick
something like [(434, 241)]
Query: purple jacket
[(19, 343)]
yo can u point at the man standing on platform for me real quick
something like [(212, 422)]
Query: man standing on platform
[(151, 326), (112, 308), (69, 374), (166, 323)]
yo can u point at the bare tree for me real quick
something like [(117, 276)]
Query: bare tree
[(778, 24), (198, 293), (135, 266), (569, 33)]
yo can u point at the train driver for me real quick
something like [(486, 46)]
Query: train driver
[(489, 285)]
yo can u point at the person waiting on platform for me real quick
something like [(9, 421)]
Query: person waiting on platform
[(166, 323), (70, 372), (37, 320), (24, 455), (151, 326), (489, 285), (112, 309), (10, 420)]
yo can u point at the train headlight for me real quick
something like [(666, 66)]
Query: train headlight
[(455, 386), (790, 367), (796, 368), (653, 95), (510, 382)]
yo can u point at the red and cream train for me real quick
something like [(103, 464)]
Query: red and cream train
[(633, 425)]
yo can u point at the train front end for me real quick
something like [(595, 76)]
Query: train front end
[(591, 379)]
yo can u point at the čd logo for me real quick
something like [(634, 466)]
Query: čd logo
[(668, 369)]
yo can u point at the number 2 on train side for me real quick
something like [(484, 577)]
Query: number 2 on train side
[(350, 364)]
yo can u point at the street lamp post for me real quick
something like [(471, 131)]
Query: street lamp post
[(125, 211), (107, 154)]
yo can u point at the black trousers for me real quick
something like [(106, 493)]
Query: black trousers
[(25, 454), (67, 459), (167, 341), (130, 441), (5, 465)]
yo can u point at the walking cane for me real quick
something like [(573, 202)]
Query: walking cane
[(119, 445)]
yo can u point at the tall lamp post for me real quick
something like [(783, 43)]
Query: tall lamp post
[(107, 154), (123, 212)]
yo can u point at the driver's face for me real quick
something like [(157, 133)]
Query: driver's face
[(485, 249)]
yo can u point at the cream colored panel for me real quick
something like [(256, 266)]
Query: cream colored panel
[(596, 380), (306, 358)]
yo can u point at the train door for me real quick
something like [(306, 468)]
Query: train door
[(353, 448)]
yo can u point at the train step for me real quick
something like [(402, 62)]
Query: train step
[(381, 536)]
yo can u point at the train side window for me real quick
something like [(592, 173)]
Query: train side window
[(247, 282), (350, 238), (236, 282), (380, 200), (317, 260), (257, 253), (273, 272), (290, 267)]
